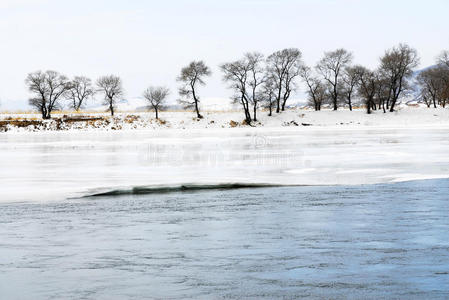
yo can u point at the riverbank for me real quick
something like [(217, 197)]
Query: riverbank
[(404, 117)]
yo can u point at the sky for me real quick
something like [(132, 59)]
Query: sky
[(147, 42)]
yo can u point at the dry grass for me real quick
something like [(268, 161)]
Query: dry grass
[(131, 119)]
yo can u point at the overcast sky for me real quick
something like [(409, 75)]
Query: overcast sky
[(147, 42)]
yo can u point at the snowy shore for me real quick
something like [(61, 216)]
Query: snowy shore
[(403, 117)]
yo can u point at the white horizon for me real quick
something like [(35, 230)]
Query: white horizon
[(148, 42)]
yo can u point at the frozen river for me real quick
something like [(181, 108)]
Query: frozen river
[(387, 241), (334, 214), (58, 165)]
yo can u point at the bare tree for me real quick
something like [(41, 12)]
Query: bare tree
[(431, 83), (245, 78), (236, 74), (317, 94), (444, 98), (257, 77), (48, 88), (397, 67), (350, 80), (316, 89), (192, 76), (382, 91), (331, 67), (156, 97), (434, 85), (268, 95), (443, 67), (426, 97), (111, 86), (80, 90), (367, 87), (284, 66)]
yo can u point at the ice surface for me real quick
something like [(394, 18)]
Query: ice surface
[(46, 166)]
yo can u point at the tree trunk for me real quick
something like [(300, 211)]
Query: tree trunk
[(199, 116), (286, 96), (157, 115), (368, 107), (111, 108), (392, 106), (247, 115), (255, 112)]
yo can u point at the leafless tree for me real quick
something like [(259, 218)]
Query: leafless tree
[(316, 89), (367, 87), (445, 94), (268, 95), (284, 66), (47, 89), (350, 81), (397, 67), (443, 67), (257, 77), (156, 97), (434, 85), (245, 78), (382, 91), (426, 97), (192, 76), (430, 82), (331, 67), (111, 86), (237, 75), (80, 90)]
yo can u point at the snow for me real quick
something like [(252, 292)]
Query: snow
[(340, 148), (402, 118)]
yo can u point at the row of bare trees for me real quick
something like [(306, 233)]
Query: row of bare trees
[(434, 82), (338, 82), (50, 87), (259, 82)]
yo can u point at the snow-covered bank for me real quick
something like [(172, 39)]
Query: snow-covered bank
[(403, 117), (43, 166)]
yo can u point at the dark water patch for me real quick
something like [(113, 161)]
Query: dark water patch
[(357, 242), (157, 189)]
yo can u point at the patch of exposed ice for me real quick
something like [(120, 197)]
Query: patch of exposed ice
[(45, 166)]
